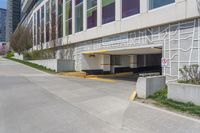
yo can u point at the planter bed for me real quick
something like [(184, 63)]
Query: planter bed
[(184, 92)]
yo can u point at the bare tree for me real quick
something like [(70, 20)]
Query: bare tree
[(21, 40)]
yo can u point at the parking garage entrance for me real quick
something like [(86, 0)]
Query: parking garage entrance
[(137, 60)]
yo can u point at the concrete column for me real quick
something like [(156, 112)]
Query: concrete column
[(105, 63), (64, 17), (84, 15), (73, 16), (144, 6), (133, 61), (118, 9), (99, 12)]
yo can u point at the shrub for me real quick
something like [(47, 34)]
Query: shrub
[(10, 55), (39, 55), (190, 74)]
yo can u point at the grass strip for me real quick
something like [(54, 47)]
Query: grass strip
[(161, 99), (36, 66)]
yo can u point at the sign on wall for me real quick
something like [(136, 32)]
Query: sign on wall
[(165, 62)]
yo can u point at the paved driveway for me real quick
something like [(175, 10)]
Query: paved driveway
[(32, 101)]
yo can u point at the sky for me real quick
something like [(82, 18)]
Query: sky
[(3, 4)]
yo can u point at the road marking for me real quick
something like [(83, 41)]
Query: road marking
[(133, 96), (101, 79)]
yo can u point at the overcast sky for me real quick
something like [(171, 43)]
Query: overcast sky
[(3, 4)]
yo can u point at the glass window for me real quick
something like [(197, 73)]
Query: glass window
[(35, 30), (78, 2), (115, 60), (108, 11), (60, 18), (42, 24), (158, 3), (91, 13), (130, 7), (78, 15), (68, 17), (53, 19), (47, 21), (38, 27)]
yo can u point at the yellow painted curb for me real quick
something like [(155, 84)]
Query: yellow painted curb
[(101, 79), (133, 96)]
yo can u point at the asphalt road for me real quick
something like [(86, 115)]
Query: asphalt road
[(32, 101)]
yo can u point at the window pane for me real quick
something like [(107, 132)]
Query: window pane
[(60, 18), (47, 21), (68, 10), (60, 26), (78, 2), (60, 7), (79, 17), (38, 27), (68, 17), (42, 24), (91, 13), (130, 7), (47, 12), (91, 3), (53, 20), (47, 32), (108, 11), (69, 27), (42, 12), (158, 3), (35, 30)]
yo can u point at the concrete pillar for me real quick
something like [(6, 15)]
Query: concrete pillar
[(84, 15), (144, 6), (118, 9), (73, 16), (105, 63), (99, 12), (133, 61)]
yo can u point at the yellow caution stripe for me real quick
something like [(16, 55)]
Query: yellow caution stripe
[(133, 96), (96, 52)]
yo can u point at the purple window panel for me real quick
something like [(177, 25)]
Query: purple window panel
[(130, 7), (78, 1), (108, 13), (92, 20)]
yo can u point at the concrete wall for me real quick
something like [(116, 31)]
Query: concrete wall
[(147, 86), (184, 92), (180, 43), (55, 64), (19, 57), (91, 62)]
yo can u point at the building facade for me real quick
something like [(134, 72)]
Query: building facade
[(110, 36), (26, 7), (2, 25), (13, 17)]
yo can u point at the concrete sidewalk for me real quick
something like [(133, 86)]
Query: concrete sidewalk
[(36, 102)]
